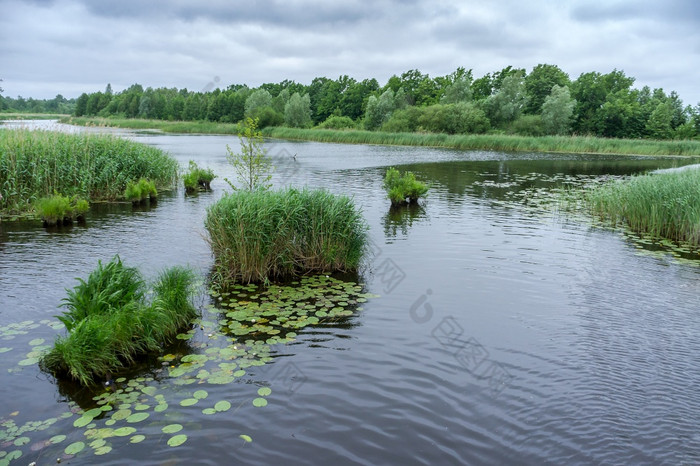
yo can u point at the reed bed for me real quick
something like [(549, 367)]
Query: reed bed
[(196, 127), (663, 205), (110, 323), (494, 142), (95, 167), (261, 235)]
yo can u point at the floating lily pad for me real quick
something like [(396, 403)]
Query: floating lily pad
[(124, 431), (150, 391), (200, 394), (37, 342), (137, 438), (189, 402), (57, 439), (21, 441), (209, 411), (121, 414), (137, 417), (28, 362), (5, 349), (264, 391), (246, 438), (177, 440), (160, 407), (172, 428), (259, 402), (103, 450), (222, 406), (74, 448), (82, 421), (100, 442)]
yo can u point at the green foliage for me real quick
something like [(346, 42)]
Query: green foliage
[(539, 84), (261, 235), (508, 102), (297, 111), (659, 124), (258, 100), (139, 191), (198, 178), (557, 111), (337, 122), (528, 125), (110, 323), (251, 166), (379, 109), (95, 167), (403, 188), (663, 205), (57, 209)]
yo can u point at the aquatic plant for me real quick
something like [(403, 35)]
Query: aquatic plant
[(665, 205), (403, 188), (95, 167), (261, 235), (138, 191), (198, 178), (57, 209), (110, 323)]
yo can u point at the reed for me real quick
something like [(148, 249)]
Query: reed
[(261, 235), (494, 142), (664, 205), (110, 323), (57, 209), (95, 167), (197, 178), (403, 188), (189, 127)]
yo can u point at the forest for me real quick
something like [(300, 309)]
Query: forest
[(545, 101)]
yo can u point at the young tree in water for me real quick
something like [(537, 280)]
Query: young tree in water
[(252, 166)]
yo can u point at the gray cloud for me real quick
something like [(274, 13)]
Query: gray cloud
[(70, 46)]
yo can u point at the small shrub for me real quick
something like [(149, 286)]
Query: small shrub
[(110, 323), (58, 209), (337, 122), (198, 178), (260, 235), (403, 189)]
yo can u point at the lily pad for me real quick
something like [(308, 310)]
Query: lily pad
[(172, 428), (177, 440), (246, 438), (74, 448), (137, 417), (259, 402), (21, 441), (37, 342), (209, 411), (82, 421), (200, 394), (264, 391), (189, 402), (160, 407), (103, 450), (57, 439), (137, 438), (124, 431), (222, 406)]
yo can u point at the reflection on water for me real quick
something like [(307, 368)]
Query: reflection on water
[(597, 340)]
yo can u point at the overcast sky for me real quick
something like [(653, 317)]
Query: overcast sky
[(67, 47)]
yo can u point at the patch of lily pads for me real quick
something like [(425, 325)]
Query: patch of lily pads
[(237, 334)]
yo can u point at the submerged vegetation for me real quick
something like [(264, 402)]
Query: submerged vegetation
[(665, 205), (197, 178), (110, 323), (57, 209), (95, 167), (403, 188), (261, 235)]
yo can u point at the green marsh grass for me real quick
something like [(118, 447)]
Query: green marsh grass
[(111, 324), (494, 142), (57, 209), (197, 178), (139, 191), (261, 235), (95, 167), (664, 205), (193, 127), (403, 188)]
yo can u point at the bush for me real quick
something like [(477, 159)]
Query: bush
[(337, 122), (198, 178), (403, 189), (110, 324), (141, 190), (261, 235), (528, 125), (57, 209)]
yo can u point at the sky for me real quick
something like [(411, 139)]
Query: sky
[(67, 47)]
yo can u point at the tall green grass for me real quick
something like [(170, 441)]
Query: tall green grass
[(495, 142), (262, 235), (665, 205), (198, 127), (96, 167), (59, 209), (197, 178), (110, 323), (403, 188)]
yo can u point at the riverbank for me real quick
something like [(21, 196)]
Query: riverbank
[(32, 116), (490, 142)]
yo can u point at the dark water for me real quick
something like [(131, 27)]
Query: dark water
[(505, 333)]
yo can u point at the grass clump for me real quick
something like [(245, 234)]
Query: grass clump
[(111, 324), (61, 210), (664, 205), (403, 188), (95, 167), (261, 235), (198, 178), (141, 190)]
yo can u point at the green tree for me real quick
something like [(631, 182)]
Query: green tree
[(81, 105), (508, 102), (379, 109), (252, 167), (557, 110), (659, 124), (297, 111), (539, 84), (458, 91), (258, 100)]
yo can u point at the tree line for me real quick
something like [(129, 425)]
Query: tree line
[(541, 102)]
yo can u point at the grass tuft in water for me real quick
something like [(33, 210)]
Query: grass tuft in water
[(261, 235), (403, 188), (198, 178), (57, 209), (665, 205), (110, 323), (138, 191)]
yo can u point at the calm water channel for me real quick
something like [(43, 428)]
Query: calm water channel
[(504, 332)]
